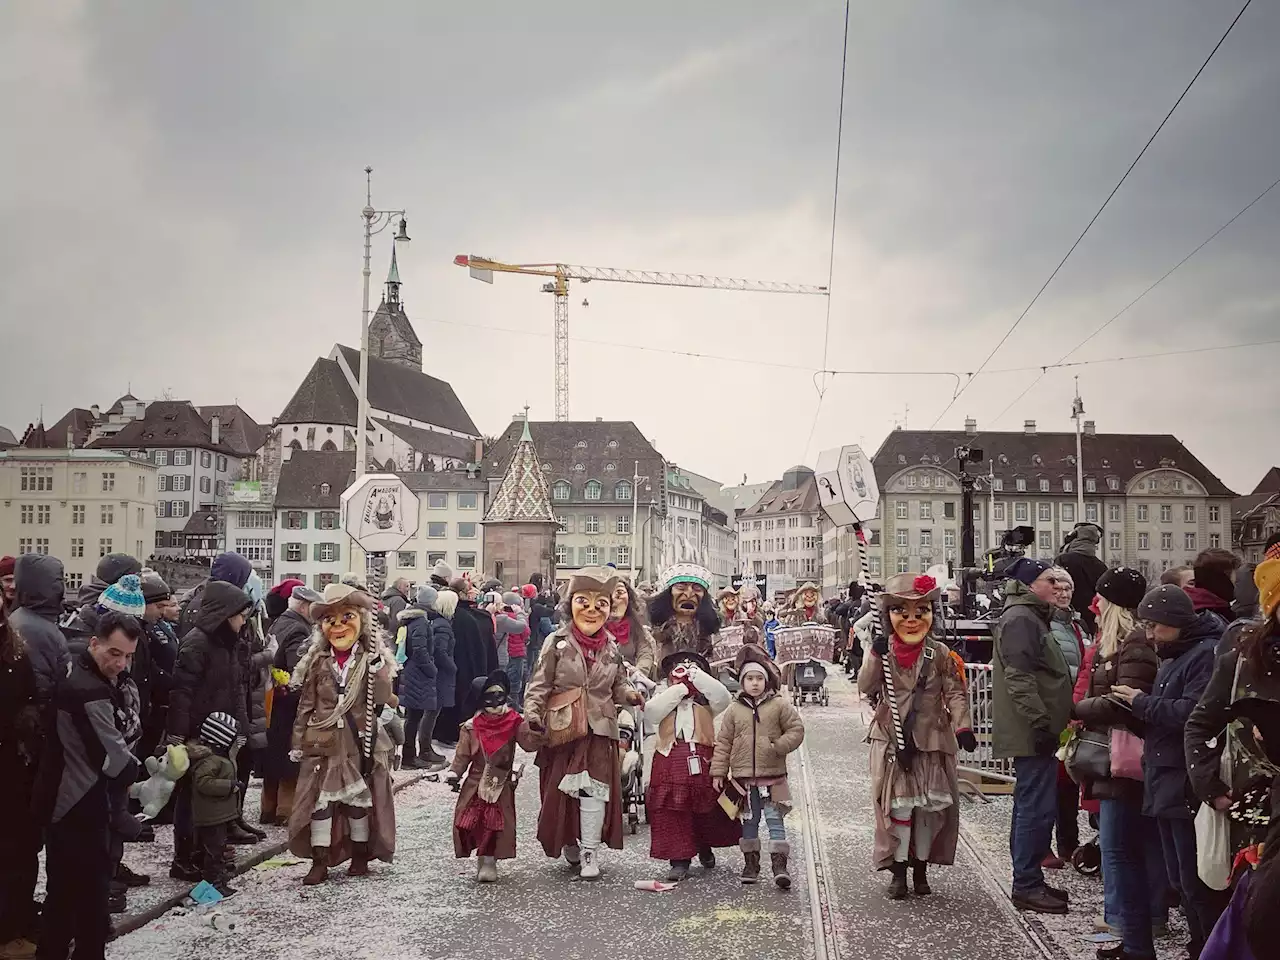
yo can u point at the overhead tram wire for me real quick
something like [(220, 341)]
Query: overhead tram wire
[(1167, 274), (1092, 220), (831, 253)]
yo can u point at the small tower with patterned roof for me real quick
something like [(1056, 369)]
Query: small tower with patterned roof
[(520, 526)]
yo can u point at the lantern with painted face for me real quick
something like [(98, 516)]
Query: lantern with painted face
[(591, 599), (909, 599)]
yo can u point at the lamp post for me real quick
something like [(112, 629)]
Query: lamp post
[(375, 221), (635, 511), (1077, 411)]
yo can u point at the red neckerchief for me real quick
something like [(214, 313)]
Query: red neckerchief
[(906, 653), (340, 657), (621, 630), (591, 646), (495, 732), (810, 612)]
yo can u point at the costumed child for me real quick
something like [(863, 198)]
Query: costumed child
[(915, 790), (571, 705), (685, 818), (343, 806), (484, 819), (758, 730), (215, 794)]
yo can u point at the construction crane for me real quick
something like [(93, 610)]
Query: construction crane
[(560, 274)]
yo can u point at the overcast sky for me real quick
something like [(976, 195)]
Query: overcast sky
[(183, 185)]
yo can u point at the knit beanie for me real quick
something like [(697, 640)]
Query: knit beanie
[(511, 599), (528, 591), (1267, 577), (113, 566), (154, 589), (219, 730), (1123, 586), (1027, 570), (426, 597), (441, 573), (1168, 605), (7, 565), (1271, 549), (125, 596)]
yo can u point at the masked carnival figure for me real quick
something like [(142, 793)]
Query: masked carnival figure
[(685, 817), (571, 705), (343, 805), (915, 790), (727, 605), (629, 632), (682, 614), (484, 819), (806, 607)]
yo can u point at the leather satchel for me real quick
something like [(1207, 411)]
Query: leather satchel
[(1088, 756), (567, 716)]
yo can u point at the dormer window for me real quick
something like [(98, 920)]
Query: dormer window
[(581, 444), (324, 489), (902, 458)]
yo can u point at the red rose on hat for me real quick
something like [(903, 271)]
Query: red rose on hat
[(923, 583)]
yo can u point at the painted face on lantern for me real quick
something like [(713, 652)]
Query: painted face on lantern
[(590, 609), (809, 598), (341, 627), (685, 598), (620, 601), (911, 619)]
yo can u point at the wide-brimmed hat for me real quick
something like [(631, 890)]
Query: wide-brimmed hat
[(670, 660), (911, 586), (592, 578), (341, 594), (808, 585), (752, 654), (686, 573), (726, 593)]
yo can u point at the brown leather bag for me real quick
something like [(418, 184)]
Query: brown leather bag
[(566, 716)]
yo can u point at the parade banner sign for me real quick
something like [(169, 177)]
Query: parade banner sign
[(811, 641), (380, 512), (847, 489), (727, 644)]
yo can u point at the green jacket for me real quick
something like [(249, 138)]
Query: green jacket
[(214, 789), (1031, 681)]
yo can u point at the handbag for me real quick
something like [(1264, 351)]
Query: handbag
[(566, 716), (1088, 756), (1126, 754)]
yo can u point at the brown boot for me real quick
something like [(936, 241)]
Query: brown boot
[(319, 871), (359, 860), (750, 861), (778, 855)]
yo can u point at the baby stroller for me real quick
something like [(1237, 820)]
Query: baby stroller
[(810, 680), (632, 770)]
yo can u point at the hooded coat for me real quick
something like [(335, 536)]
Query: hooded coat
[(39, 587), (418, 677), (226, 568), (290, 634), (1031, 683), (1080, 559), (208, 677)]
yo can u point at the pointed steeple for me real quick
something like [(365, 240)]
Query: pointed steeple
[(524, 495), (393, 279)]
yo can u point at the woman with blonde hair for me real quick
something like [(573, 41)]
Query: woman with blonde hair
[(1129, 841)]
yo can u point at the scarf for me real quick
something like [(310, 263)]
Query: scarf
[(906, 653), (495, 732), (591, 646), (621, 630)]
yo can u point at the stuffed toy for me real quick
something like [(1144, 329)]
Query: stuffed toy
[(154, 792)]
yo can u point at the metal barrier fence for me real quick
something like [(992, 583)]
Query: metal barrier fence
[(978, 680)]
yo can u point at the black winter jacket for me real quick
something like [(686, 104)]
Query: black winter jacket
[(39, 584), (418, 681), (291, 632), (209, 677)]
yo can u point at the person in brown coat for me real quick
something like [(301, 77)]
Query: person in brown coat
[(484, 819), (343, 807), (759, 729), (571, 706), (629, 632), (916, 789)]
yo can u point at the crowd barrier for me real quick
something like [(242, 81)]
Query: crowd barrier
[(982, 763)]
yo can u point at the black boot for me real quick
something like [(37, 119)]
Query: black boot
[(707, 857), (920, 878), (897, 889), (260, 834)]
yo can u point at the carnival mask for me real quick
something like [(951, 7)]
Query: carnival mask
[(590, 610), (341, 627), (731, 603), (749, 607), (911, 620), (494, 701), (686, 598), (621, 602), (809, 598)]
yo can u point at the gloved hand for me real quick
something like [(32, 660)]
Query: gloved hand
[(880, 646), (295, 756), (1046, 744), (968, 742)]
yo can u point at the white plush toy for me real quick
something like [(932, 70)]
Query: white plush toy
[(154, 792)]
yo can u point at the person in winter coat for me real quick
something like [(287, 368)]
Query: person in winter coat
[(1132, 862), (39, 587), (1031, 704), (440, 613), (1079, 558), (161, 655), (511, 632), (418, 689), (215, 794), (207, 680), (7, 589), (394, 599), (20, 742), (475, 654), (629, 632), (109, 571), (541, 626), (1213, 588), (1185, 642), (290, 633), (226, 568), (1066, 630)]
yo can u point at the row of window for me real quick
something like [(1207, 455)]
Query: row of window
[(590, 556), (182, 458), (408, 559), (466, 501), (173, 508), (772, 544), (40, 545), (297, 519), (41, 514), (40, 480), (791, 523), (179, 482), (803, 567), (591, 523), (319, 552), (592, 490)]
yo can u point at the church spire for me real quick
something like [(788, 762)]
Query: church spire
[(393, 279), (524, 495)]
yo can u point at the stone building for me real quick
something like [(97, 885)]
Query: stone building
[(1256, 517), (780, 535), (520, 525)]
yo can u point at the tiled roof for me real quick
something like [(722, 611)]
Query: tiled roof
[(324, 396), (303, 474), (794, 493), (437, 481), (7, 439), (1270, 482), (432, 442), (203, 523), (118, 406), (81, 422), (606, 450), (167, 423), (399, 321), (1048, 456), (1241, 507), (524, 495), (239, 431), (401, 390)]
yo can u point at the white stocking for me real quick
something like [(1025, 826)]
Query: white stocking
[(903, 832), (321, 831), (924, 837), (359, 827), (590, 821)]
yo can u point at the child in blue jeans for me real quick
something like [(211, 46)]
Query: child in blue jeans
[(757, 731)]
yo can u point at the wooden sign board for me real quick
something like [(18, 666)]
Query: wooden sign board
[(727, 644), (812, 641)]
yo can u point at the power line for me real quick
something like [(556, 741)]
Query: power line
[(1092, 220)]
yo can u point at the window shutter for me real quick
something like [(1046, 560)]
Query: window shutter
[(613, 554), (582, 556), (284, 551), (304, 519), (337, 552), (315, 551)]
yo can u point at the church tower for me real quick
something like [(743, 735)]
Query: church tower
[(520, 527), (391, 335)]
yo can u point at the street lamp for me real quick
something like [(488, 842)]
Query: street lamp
[(635, 509), (375, 221)]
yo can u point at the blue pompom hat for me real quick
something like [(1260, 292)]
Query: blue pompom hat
[(125, 596)]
